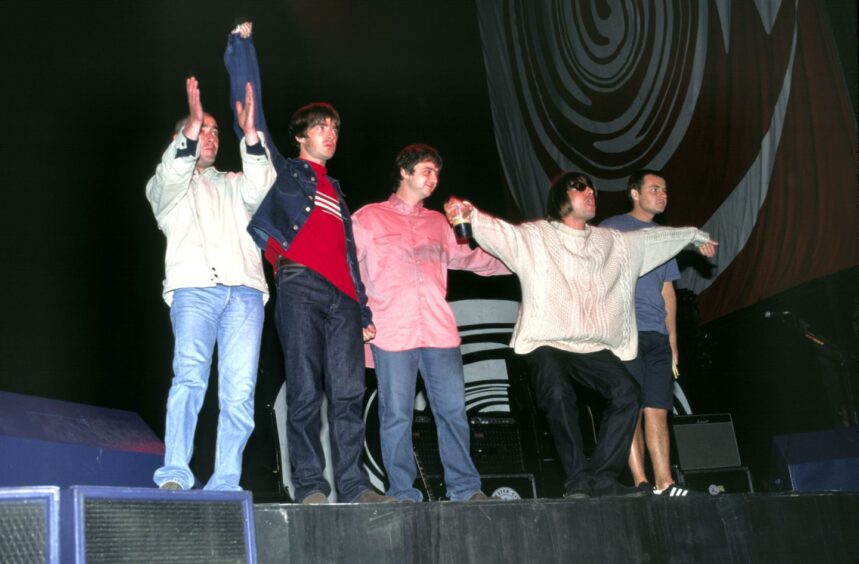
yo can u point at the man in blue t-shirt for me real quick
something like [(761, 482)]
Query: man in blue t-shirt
[(655, 315)]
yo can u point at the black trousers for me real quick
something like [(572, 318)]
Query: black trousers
[(552, 374)]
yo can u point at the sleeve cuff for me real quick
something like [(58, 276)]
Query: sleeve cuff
[(258, 149), (186, 147)]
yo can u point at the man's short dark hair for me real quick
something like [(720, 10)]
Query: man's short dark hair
[(558, 204), (409, 157), (180, 125), (312, 114), (636, 180)]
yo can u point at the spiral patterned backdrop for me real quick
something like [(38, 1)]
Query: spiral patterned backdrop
[(610, 92), (736, 102)]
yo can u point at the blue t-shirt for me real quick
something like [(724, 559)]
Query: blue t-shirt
[(649, 305)]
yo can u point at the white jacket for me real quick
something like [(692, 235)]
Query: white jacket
[(205, 217)]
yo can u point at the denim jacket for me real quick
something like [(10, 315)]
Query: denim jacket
[(287, 206)]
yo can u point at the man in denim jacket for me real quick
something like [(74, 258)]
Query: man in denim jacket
[(321, 315)]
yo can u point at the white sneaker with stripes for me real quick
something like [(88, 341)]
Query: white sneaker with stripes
[(672, 490)]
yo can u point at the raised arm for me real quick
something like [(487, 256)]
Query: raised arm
[(173, 174), (194, 122), (241, 61), (245, 116)]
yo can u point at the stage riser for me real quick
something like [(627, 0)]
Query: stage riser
[(732, 528), (59, 443)]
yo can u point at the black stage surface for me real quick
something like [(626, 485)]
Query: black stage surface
[(729, 528)]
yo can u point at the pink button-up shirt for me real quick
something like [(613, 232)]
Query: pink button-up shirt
[(404, 253)]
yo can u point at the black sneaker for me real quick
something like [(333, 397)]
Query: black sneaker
[(611, 487), (580, 489), (645, 487)]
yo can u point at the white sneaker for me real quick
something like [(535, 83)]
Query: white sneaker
[(672, 491)]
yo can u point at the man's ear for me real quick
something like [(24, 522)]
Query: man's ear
[(404, 173), (635, 195)]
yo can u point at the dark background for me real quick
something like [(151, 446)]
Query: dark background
[(90, 95)]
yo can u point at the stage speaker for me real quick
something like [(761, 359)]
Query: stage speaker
[(816, 461), (705, 441), (496, 445), (29, 525), (717, 481), (112, 525), (59, 443)]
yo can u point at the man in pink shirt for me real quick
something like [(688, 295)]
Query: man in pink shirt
[(404, 252)]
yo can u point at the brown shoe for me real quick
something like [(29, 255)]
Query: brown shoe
[(316, 498), (371, 496), (171, 485), (480, 496)]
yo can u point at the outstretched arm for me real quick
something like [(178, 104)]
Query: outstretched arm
[(241, 61), (661, 244)]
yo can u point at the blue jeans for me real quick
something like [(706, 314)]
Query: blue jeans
[(441, 370), (232, 316), (320, 332)]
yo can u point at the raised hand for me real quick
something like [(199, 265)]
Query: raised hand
[(245, 116), (195, 109), (244, 29)]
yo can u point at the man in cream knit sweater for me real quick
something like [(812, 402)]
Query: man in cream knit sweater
[(577, 318)]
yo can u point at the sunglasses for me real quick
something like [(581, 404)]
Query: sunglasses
[(580, 186)]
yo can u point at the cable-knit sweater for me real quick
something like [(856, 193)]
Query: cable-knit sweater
[(578, 286)]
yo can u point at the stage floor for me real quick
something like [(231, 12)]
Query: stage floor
[(729, 528)]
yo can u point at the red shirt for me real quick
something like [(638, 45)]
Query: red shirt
[(321, 243)]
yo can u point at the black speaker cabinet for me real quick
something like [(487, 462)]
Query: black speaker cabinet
[(29, 525), (496, 445), (705, 441), (101, 524)]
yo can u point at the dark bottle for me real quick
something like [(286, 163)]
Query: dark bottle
[(462, 229), (463, 233)]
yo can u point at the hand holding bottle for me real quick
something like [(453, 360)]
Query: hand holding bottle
[(458, 213)]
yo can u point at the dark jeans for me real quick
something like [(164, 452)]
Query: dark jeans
[(552, 374), (320, 332)]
